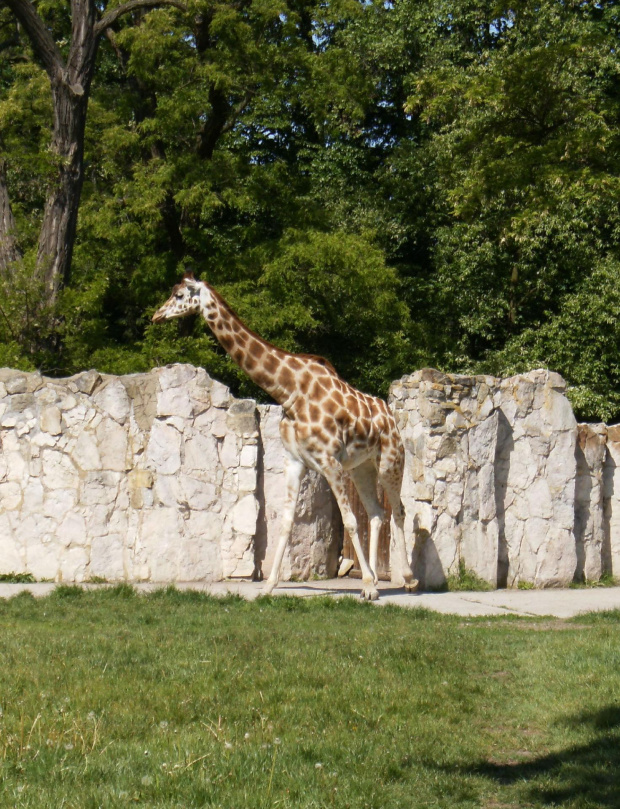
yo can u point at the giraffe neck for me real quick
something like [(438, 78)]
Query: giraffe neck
[(260, 360)]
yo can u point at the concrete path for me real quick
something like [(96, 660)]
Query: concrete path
[(558, 603)]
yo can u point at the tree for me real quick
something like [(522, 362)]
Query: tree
[(70, 80), (524, 113)]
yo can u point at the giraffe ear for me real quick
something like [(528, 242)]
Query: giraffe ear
[(190, 282)]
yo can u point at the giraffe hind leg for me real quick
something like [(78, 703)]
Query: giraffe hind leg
[(335, 476), (365, 479), (391, 480)]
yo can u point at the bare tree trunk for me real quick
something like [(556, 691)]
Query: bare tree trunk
[(8, 245), (70, 93), (70, 83)]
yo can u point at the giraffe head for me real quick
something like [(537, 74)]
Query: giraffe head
[(186, 299)]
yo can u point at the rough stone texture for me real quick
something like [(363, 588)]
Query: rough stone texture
[(126, 478), (449, 429), (314, 545), (535, 481), (148, 477), (166, 477), (497, 481), (590, 519)]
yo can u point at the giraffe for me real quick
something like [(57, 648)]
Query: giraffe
[(327, 425)]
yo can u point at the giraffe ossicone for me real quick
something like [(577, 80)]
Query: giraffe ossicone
[(327, 425)]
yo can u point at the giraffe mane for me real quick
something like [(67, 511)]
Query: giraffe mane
[(225, 305)]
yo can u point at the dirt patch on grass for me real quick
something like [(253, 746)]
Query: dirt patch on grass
[(525, 625)]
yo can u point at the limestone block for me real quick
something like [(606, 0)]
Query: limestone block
[(17, 468), (85, 453), (99, 488), (68, 402), (97, 518), (238, 558), (112, 440), (112, 399), (16, 384), (76, 416), (72, 530), (86, 382), (58, 470), (220, 394), (107, 558), (244, 515), (241, 417), (200, 450), (200, 495), (11, 560), (36, 535), (166, 490), (214, 422), (248, 456), (140, 479), (57, 503), (200, 391), (229, 451), (178, 375), (51, 420), (159, 537), (142, 391), (200, 559), (247, 479), (33, 494), (23, 403), (163, 453), (173, 401), (73, 565)]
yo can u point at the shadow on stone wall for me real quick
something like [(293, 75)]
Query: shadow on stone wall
[(505, 445)]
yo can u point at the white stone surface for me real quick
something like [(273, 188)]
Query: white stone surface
[(166, 477), (490, 480), (123, 478)]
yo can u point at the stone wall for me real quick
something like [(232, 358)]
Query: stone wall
[(151, 477), (167, 477), (501, 478)]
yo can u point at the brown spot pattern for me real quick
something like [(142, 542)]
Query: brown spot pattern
[(256, 349), (271, 364)]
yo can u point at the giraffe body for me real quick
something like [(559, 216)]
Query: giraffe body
[(327, 425)]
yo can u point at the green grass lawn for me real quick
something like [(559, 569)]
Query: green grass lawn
[(182, 700)]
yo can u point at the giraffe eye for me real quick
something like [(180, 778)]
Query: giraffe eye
[(179, 296)]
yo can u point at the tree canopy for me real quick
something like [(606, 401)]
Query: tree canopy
[(388, 184)]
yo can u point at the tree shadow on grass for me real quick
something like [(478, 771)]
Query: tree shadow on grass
[(584, 775)]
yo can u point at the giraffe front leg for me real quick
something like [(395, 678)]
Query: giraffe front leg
[(295, 470)]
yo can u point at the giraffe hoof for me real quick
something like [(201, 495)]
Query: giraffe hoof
[(412, 586), (369, 594), (268, 589)]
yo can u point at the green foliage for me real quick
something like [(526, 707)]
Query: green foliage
[(465, 579), (390, 185), (525, 148), (17, 578)]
